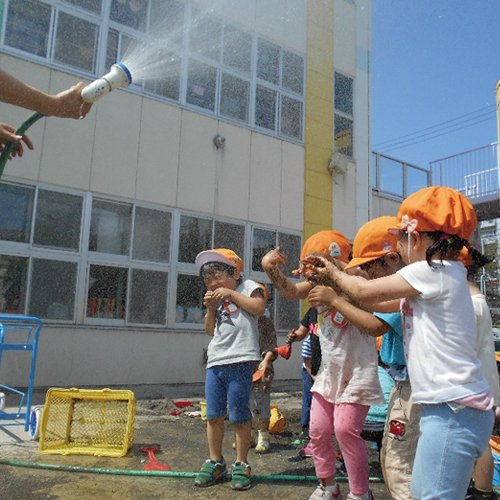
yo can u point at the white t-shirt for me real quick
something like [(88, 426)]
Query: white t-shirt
[(348, 371), (236, 334), (485, 345), (440, 334)]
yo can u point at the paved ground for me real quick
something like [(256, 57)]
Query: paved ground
[(183, 444)]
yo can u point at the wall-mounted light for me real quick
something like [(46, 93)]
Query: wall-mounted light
[(219, 141), (338, 164)]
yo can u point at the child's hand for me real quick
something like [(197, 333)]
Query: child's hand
[(222, 294), (291, 337), (322, 295), (273, 258), (321, 269), (208, 300)]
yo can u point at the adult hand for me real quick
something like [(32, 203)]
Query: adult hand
[(69, 103), (8, 134)]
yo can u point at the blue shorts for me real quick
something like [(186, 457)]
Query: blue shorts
[(229, 385)]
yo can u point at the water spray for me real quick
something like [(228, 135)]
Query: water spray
[(119, 76)]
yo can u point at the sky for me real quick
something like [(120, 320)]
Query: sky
[(434, 69)]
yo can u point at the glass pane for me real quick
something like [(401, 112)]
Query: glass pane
[(291, 117), (234, 97), (201, 85), (293, 72), (265, 108), (263, 241), (52, 229), (107, 294), (28, 26), (152, 235), (110, 228), (195, 235), (148, 297), (189, 302), (374, 171), (76, 42), (90, 5), (167, 64), (132, 13), (237, 49), (391, 176), (167, 16), (112, 48), (288, 313), (415, 179), (16, 208), (230, 236), (205, 36), (343, 93), (13, 276), (290, 245), (53, 288), (343, 135), (268, 61)]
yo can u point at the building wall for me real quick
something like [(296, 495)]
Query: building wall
[(134, 148)]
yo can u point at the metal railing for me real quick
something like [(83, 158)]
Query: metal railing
[(473, 172)]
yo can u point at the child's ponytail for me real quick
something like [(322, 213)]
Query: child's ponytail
[(445, 246)]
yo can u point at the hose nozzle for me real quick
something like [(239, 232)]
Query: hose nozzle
[(118, 76)]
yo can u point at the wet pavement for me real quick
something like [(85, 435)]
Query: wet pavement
[(183, 446)]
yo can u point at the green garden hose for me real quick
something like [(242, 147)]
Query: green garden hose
[(161, 473), (10, 146)]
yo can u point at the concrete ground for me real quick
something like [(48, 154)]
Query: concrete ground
[(183, 447)]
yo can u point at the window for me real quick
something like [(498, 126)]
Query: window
[(13, 278), (343, 98), (176, 50), (189, 308), (148, 297), (52, 230), (76, 42), (110, 228), (268, 61), (52, 291), (234, 97), (16, 208), (237, 49), (265, 108), (28, 27), (195, 235), (291, 117), (107, 292), (131, 13), (263, 241), (152, 235), (125, 276), (201, 85)]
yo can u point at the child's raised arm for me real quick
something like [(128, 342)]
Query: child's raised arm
[(365, 292), (364, 320), (289, 290)]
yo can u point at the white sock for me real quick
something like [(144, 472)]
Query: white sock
[(334, 488)]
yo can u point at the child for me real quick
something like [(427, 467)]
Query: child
[(260, 401), (439, 337), (233, 307), (483, 470), (375, 254), (346, 384), (311, 359)]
